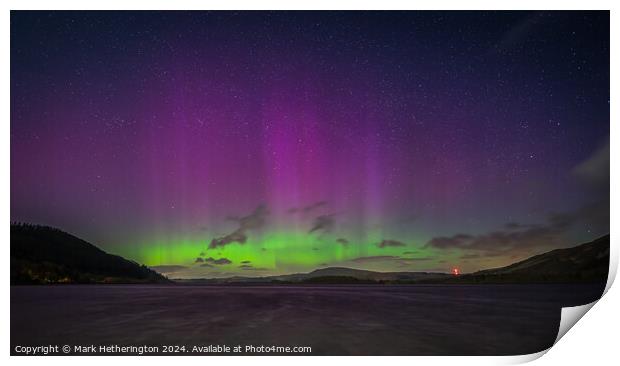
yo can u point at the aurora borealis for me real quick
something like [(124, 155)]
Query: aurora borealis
[(211, 144)]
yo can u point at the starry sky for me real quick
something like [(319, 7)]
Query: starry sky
[(210, 144)]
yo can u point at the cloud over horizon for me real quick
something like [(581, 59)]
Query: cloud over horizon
[(513, 238), (391, 243), (255, 220), (342, 241), (324, 223), (220, 261)]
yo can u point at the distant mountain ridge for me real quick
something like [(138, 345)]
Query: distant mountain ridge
[(45, 255), (359, 274), (587, 262), (327, 275)]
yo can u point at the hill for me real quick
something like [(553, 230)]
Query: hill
[(45, 255), (587, 262), (334, 273), (329, 275)]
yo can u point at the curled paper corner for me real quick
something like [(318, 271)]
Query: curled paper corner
[(570, 316), (613, 268), (521, 359)]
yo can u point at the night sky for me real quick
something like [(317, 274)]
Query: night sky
[(210, 144)]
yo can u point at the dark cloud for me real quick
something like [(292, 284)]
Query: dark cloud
[(324, 223), (202, 254), (167, 268), (238, 236), (594, 171), (374, 258), (594, 175), (247, 267), (206, 265), (199, 260), (513, 238), (219, 261), (409, 252), (253, 221), (342, 241), (316, 249), (390, 243), (308, 209), (246, 262)]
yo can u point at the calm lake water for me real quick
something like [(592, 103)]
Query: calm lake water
[(333, 320)]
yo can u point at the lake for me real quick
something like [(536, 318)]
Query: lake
[(332, 320)]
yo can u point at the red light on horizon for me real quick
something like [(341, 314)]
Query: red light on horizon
[(455, 271)]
